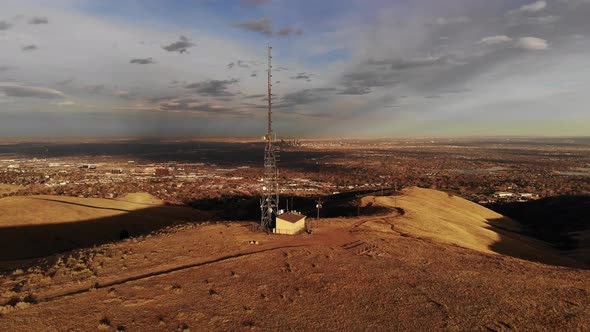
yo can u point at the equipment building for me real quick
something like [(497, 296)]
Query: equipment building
[(290, 223)]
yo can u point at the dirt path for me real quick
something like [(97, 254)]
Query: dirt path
[(109, 282)]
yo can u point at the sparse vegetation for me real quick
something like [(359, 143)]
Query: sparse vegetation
[(330, 269), (104, 324), (213, 293)]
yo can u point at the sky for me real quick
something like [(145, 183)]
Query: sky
[(341, 68)]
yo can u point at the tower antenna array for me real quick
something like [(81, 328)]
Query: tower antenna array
[(270, 187)]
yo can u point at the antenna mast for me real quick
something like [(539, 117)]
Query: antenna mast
[(270, 188)]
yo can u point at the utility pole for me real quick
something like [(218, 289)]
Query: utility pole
[(395, 195), (318, 207)]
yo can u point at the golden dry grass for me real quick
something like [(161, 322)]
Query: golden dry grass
[(450, 219), (34, 226), (373, 273), (46, 209)]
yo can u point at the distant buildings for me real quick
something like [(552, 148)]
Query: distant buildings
[(162, 172), (503, 194)]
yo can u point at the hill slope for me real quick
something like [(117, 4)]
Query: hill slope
[(381, 273), (563, 221), (35, 226), (450, 219)]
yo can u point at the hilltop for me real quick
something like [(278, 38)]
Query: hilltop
[(434, 262)]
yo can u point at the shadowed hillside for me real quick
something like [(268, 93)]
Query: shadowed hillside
[(563, 221), (450, 219), (36, 226)]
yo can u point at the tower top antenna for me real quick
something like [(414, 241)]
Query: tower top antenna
[(269, 134)]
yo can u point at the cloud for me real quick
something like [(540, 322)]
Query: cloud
[(366, 79), (123, 95), (549, 19), (304, 97), (452, 20), (301, 76), (528, 9), (262, 26), (160, 99), (215, 88), (29, 48), (239, 63), (397, 64), (66, 103), (532, 43), (287, 31), (39, 20), (6, 68), (21, 91), (180, 46), (194, 105), (355, 90), (257, 96), (142, 61), (574, 2), (495, 40), (534, 7), (5, 25), (525, 43)]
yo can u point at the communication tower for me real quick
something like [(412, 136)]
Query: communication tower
[(270, 187)]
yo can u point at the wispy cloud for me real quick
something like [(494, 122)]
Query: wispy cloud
[(262, 26), (214, 88), (23, 91), (452, 20), (495, 40), (29, 48), (142, 61), (532, 43), (180, 46), (5, 25), (287, 31), (38, 20), (302, 76), (6, 68), (534, 7)]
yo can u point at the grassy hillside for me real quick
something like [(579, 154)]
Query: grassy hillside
[(35, 226), (406, 271), (450, 219)]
